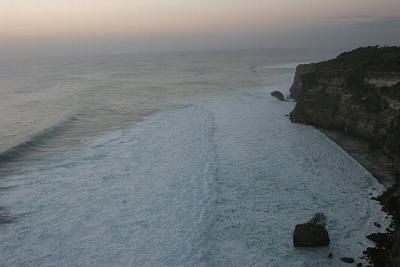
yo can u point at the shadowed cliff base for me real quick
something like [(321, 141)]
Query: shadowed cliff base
[(355, 100)]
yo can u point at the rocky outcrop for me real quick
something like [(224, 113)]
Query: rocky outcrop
[(347, 260), (361, 101), (312, 233), (387, 249), (278, 95)]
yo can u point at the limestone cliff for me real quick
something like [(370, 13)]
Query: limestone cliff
[(358, 93)]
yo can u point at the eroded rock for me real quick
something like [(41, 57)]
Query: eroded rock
[(278, 95), (312, 233), (347, 260)]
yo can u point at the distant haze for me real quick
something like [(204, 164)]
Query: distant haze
[(119, 26)]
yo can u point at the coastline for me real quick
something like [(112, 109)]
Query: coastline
[(357, 95), (387, 241), (237, 165), (378, 164)]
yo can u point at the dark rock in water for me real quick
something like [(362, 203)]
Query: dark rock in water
[(347, 260), (330, 256), (278, 95), (377, 224), (381, 238), (312, 233), (359, 264)]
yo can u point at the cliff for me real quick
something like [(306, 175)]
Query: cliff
[(357, 93)]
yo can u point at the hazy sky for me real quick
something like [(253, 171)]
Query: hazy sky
[(129, 25)]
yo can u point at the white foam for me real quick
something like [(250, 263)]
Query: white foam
[(219, 182)]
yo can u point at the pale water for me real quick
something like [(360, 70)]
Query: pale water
[(170, 160)]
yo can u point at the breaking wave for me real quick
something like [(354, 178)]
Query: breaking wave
[(36, 141)]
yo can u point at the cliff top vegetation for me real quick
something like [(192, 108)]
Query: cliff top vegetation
[(365, 59)]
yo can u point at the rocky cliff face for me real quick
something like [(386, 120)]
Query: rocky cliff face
[(359, 93), (361, 99)]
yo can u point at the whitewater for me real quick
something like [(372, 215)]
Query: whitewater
[(172, 160), (219, 181)]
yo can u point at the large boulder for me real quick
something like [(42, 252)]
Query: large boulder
[(278, 95), (312, 233)]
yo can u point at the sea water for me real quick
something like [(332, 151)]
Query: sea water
[(178, 159)]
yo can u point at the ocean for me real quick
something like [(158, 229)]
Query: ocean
[(170, 159)]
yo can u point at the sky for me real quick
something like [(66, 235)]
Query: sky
[(106, 26)]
